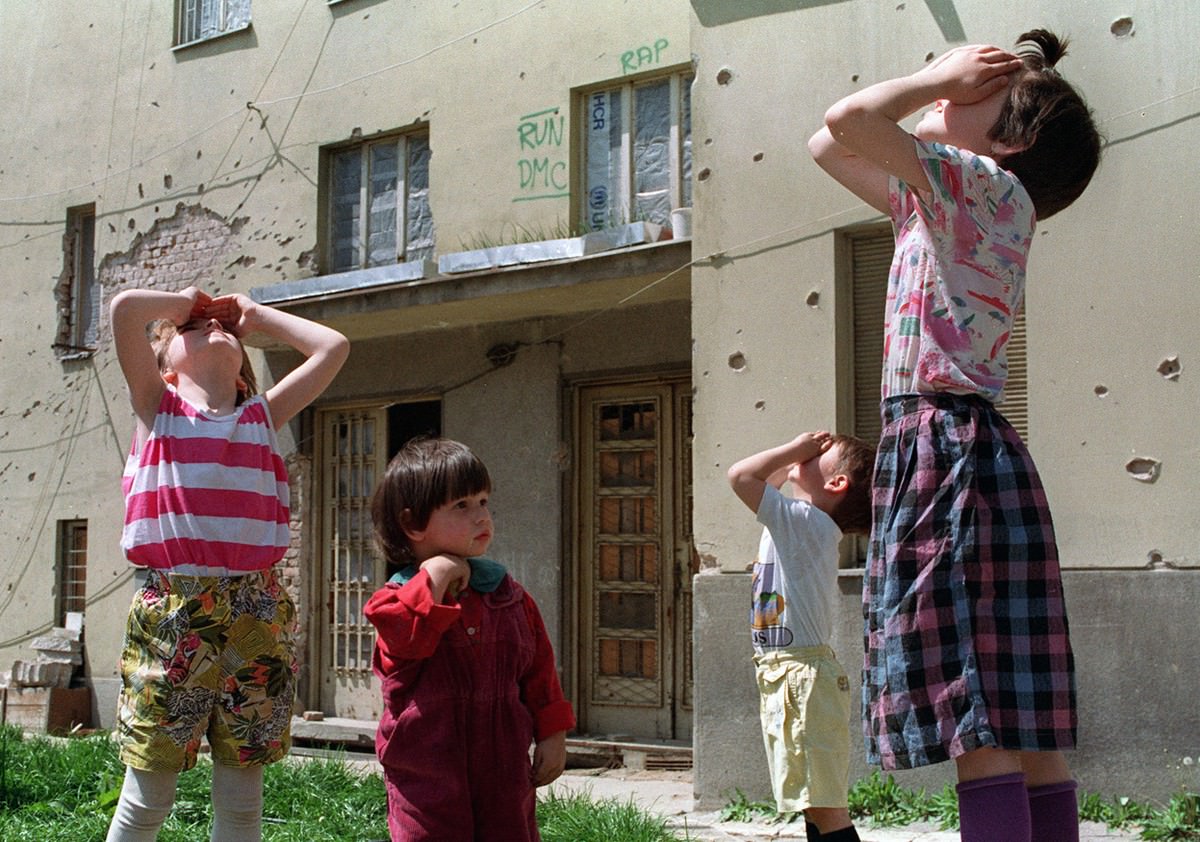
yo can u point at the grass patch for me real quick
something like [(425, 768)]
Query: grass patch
[(67, 790), (575, 817), (882, 802)]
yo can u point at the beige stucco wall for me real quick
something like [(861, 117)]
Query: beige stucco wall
[(1112, 280), (1112, 292), (102, 110)]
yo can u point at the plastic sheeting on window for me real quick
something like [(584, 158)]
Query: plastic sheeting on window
[(604, 204), (418, 215)]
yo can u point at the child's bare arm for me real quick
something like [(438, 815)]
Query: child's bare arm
[(129, 313), (855, 173), (867, 122), (749, 477), (325, 349)]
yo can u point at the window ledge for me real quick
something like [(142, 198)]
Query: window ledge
[(458, 264), (355, 280), (635, 233), (208, 39)]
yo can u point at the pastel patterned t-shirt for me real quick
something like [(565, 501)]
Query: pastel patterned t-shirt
[(957, 277)]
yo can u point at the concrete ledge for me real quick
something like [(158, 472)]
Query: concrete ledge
[(1137, 653)]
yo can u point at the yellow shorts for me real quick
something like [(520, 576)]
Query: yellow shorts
[(805, 708), (207, 656)]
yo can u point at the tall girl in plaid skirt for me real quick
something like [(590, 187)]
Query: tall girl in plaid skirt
[(968, 654)]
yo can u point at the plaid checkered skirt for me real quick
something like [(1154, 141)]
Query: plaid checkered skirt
[(966, 629)]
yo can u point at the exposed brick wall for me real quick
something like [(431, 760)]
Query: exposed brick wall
[(191, 247)]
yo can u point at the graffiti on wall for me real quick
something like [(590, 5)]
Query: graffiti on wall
[(642, 57), (542, 165)]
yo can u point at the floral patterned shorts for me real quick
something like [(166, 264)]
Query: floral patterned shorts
[(207, 656)]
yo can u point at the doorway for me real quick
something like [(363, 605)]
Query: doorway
[(634, 559)]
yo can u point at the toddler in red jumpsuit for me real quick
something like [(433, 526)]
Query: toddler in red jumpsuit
[(468, 673)]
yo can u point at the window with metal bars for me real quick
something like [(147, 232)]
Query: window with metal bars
[(71, 573)]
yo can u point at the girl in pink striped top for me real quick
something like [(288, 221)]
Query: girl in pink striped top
[(209, 641)]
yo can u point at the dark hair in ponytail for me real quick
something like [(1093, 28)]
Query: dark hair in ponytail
[(1051, 124)]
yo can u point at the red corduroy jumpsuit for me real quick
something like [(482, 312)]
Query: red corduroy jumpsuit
[(466, 688)]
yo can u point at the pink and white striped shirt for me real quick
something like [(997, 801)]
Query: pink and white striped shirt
[(206, 495)]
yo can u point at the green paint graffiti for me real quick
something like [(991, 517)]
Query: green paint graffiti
[(647, 54), (541, 175)]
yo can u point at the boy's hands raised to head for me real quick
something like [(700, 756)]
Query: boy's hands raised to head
[(810, 445)]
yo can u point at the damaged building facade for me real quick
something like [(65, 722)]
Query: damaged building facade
[(587, 240)]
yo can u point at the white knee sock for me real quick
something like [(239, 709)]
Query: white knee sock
[(237, 797), (146, 801)]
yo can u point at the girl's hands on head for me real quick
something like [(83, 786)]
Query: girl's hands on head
[(198, 301), (971, 73), (239, 312)]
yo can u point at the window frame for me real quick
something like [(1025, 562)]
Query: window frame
[(196, 12), (859, 419), (680, 79), (66, 562), (79, 297), (327, 194)]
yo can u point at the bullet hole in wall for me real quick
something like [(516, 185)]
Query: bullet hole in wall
[(724, 75), (737, 361), (1101, 390), (703, 174), (1170, 368), (758, 156), (1122, 27), (167, 182), (1154, 558), (1143, 468), (813, 300), (760, 405)]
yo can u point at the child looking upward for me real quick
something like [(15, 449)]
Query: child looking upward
[(805, 695), (209, 645), (468, 673), (968, 653)]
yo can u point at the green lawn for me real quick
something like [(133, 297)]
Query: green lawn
[(66, 790)]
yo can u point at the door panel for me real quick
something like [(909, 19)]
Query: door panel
[(353, 457), (633, 661)]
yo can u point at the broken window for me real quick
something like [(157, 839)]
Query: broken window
[(72, 568), (378, 203), (637, 152), (199, 20), (78, 292)]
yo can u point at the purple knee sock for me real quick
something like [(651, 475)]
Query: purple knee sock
[(1054, 813), (994, 809)]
